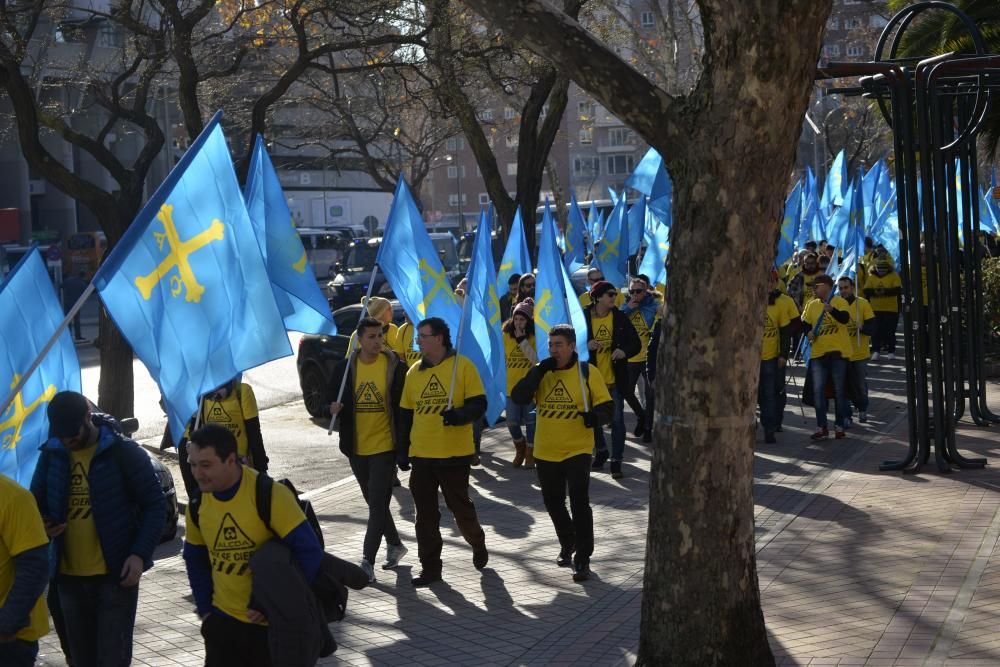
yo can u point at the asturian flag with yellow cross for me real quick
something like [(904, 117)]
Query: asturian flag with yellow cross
[(30, 313), (187, 285)]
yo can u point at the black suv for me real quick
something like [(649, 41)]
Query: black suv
[(319, 354)]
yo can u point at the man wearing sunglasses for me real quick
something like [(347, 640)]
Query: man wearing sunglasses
[(595, 276), (641, 310)]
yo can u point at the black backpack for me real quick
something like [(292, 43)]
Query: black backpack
[(265, 487)]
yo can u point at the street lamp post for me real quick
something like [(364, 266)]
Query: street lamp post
[(461, 213)]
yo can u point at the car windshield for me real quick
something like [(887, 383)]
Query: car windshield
[(360, 257), (465, 247), (446, 251)]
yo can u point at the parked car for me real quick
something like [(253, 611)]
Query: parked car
[(318, 354)]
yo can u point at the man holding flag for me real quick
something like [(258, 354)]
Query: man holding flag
[(828, 315)]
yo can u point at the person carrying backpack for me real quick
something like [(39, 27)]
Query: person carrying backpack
[(225, 529), (104, 511)]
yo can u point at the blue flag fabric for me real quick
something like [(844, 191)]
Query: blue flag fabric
[(516, 258), (654, 261), (482, 339), (789, 225), (650, 177), (411, 265), (31, 314), (555, 299), (636, 225), (302, 306), (835, 186), (187, 285), (854, 239), (575, 245), (611, 256)]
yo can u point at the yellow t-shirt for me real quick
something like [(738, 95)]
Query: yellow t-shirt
[(884, 304), (645, 333), (775, 318), (559, 431), (809, 286), (426, 393), (404, 345), (518, 365), (81, 553), (390, 340), (860, 346), (787, 303), (603, 328), (21, 530), (232, 412), (585, 299), (832, 335), (235, 532), (371, 416)]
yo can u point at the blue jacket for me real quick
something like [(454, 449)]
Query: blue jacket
[(125, 496)]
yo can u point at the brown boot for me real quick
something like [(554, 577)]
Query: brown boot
[(519, 446), (529, 457)]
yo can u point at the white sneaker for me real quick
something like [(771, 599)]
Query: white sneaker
[(368, 570), (874, 356), (393, 554), (891, 356)]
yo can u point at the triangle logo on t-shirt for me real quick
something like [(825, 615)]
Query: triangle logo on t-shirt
[(231, 537), (217, 415), (560, 394), (78, 481), (368, 398), (434, 388)]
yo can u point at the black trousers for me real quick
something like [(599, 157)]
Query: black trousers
[(884, 339), (453, 480), (555, 478), (636, 370), (232, 643), (375, 474)]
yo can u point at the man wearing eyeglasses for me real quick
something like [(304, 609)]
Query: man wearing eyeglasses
[(611, 339), (641, 310)]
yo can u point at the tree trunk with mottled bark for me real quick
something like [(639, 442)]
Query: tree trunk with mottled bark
[(729, 145)]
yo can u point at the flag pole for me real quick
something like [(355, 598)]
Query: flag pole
[(353, 346), (48, 347), (458, 342), (579, 364)]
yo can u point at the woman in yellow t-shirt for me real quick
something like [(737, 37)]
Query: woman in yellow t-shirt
[(519, 350), (381, 310)]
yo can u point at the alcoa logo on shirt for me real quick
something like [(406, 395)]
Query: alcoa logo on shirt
[(368, 398), (433, 399), (558, 403), (232, 548)]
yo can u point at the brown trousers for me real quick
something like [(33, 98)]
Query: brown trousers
[(453, 480)]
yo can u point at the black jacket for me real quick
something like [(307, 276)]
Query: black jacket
[(345, 420), (624, 337), (523, 392), (653, 351)]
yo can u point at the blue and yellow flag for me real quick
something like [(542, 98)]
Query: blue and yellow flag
[(612, 253), (835, 186), (576, 249), (594, 227), (516, 258), (411, 265), (654, 261), (555, 300), (636, 221), (187, 285), (31, 314), (302, 306), (650, 177), (789, 225), (482, 340)]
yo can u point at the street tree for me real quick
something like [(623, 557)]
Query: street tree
[(701, 603)]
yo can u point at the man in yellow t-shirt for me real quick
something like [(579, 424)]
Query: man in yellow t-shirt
[(883, 289), (826, 317), (367, 413), (24, 571), (779, 318), (859, 329), (442, 396), (220, 542), (641, 310), (564, 441), (404, 344)]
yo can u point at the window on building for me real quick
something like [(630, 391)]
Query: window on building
[(833, 24), (109, 36), (453, 200), (586, 166), (831, 50), (855, 51), (456, 143), (586, 136), (484, 198), (512, 169), (455, 170), (509, 113), (620, 136), (484, 115), (852, 23), (620, 164), (584, 108), (646, 19)]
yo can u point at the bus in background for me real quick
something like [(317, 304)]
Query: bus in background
[(83, 251)]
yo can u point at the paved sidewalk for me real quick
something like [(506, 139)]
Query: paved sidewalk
[(856, 567)]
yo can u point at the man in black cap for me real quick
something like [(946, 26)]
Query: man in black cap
[(102, 504), (507, 300)]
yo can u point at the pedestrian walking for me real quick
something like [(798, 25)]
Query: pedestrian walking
[(520, 354), (442, 397), (774, 354), (883, 289), (827, 317), (642, 310), (859, 330), (566, 419), (367, 415)]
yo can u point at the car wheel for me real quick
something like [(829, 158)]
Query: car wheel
[(314, 391)]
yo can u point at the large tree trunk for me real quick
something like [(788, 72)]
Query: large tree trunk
[(728, 145)]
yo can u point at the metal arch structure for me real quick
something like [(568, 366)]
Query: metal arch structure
[(935, 107)]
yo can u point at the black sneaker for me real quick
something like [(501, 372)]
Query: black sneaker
[(599, 458), (647, 436), (640, 428), (616, 470), (426, 579), (769, 438), (565, 558), (476, 460), (581, 572), (480, 558)]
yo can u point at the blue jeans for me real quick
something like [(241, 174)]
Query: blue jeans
[(767, 395), (518, 416), (857, 378), (617, 428), (100, 618), (821, 369), (18, 653)]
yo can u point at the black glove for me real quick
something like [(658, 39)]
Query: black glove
[(589, 418), (403, 462), (453, 417), (546, 365)]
